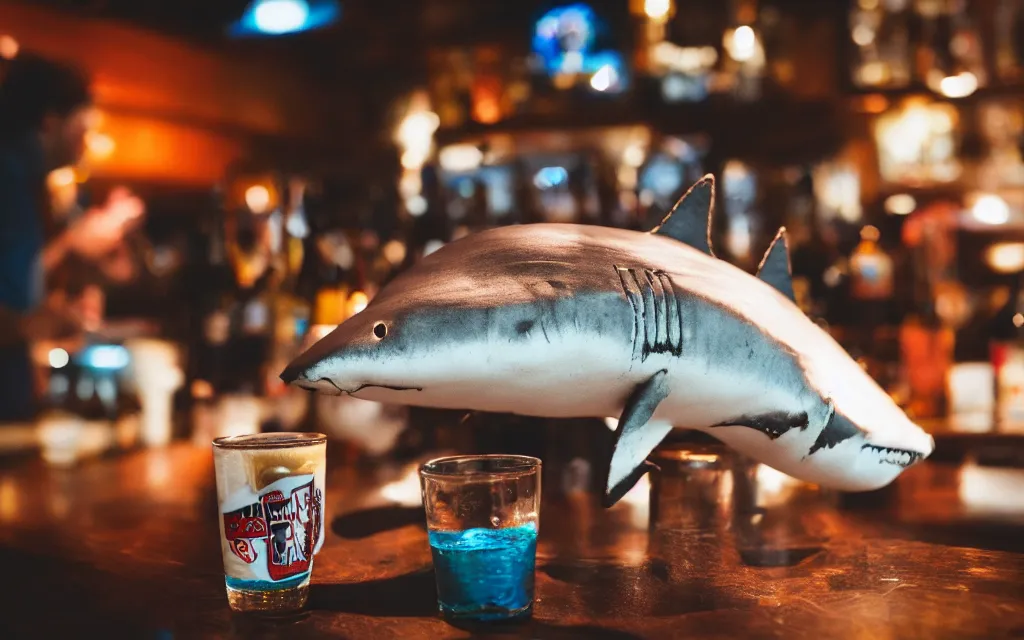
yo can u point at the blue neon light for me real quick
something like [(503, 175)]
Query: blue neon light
[(284, 17)]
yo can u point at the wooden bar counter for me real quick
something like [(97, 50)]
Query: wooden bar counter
[(127, 547)]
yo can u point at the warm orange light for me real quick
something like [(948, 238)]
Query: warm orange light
[(874, 103), (202, 390), (486, 96), (990, 209), (319, 331), (257, 198), (63, 177), (100, 145), (151, 149), (9, 500), (358, 302), (657, 10), (741, 44), (8, 47), (1005, 257), (900, 204), (394, 251), (486, 111), (959, 86)]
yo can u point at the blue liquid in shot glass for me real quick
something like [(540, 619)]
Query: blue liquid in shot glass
[(485, 574)]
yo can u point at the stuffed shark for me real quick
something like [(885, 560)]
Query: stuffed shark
[(570, 321)]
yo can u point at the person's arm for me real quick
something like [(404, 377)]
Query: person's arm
[(44, 323), (98, 233)]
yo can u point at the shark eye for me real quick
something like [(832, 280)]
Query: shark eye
[(380, 330)]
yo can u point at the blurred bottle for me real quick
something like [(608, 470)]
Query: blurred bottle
[(881, 32), (926, 344), (210, 287), (1006, 351), (965, 43), (251, 344), (871, 290), (289, 311), (1009, 40), (871, 268), (810, 255), (330, 298), (127, 418), (60, 429), (89, 401)]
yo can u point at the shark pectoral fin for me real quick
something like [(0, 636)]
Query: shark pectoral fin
[(690, 220), (636, 437), (775, 268)]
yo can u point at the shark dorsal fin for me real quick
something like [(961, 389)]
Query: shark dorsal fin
[(775, 269), (690, 220)]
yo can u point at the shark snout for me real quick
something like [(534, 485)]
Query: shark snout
[(306, 378), (293, 373)]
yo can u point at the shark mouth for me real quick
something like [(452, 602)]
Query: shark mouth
[(382, 386), (310, 385), (889, 455)]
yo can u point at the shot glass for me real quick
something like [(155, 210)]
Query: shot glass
[(270, 492), (483, 514)]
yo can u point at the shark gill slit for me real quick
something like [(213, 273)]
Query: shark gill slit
[(646, 308), (631, 298), (673, 324), (660, 307), (657, 321), (838, 428)]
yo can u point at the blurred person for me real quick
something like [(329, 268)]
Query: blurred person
[(45, 109)]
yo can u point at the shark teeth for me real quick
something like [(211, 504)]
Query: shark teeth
[(899, 457)]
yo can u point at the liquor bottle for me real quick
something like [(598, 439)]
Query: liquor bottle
[(1006, 351), (871, 268), (95, 416), (882, 35), (965, 44), (211, 287), (1009, 40), (60, 429), (289, 312), (928, 341), (127, 416), (251, 343), (809, 253), (330, 298), (433, 225), (871, 289)]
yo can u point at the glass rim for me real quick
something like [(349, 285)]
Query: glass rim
[(274, 440), (525, 465)]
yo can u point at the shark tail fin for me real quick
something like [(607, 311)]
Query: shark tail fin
[(775, 267), (690, 220)]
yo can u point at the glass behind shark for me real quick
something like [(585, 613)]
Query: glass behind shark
[(270, 491), (483, 514)]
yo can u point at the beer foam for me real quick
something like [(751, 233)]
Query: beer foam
[(264, 467)]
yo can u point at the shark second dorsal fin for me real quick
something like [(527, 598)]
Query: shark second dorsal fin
[(775, 269), (690, 220)]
